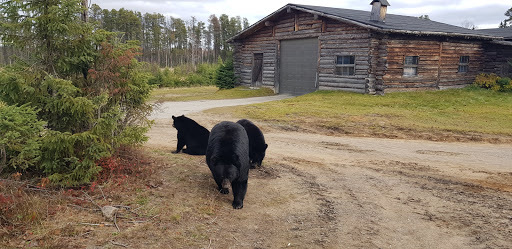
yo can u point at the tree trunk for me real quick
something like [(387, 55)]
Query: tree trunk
[(3, 158), (85, 15)]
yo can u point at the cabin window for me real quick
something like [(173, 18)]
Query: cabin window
[(345, 65), (463, 64), (411, 65)]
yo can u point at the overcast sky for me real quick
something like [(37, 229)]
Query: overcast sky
[(482, 13)]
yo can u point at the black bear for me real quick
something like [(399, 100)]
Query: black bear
[(227, 157), (191, 134), (257, 145)]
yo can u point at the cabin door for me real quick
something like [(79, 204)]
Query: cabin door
[(257, 70), (298, 65)]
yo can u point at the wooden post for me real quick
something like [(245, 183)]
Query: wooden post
[(296, 22), (439, 64), (277, 73)]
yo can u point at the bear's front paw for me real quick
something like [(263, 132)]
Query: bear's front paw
[(238, 205), (175, 152), (224, 191)]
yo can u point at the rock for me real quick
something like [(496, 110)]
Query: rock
[(109, 212)]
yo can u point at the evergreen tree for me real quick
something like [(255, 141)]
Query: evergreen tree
[(225, 78), (87, 118)]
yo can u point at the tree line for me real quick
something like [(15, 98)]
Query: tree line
[(165, 41)]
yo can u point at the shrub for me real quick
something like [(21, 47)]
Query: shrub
[(184, 76), (493, 82), (83, 124), (225, 78), (487, 81), (505, 84), (20, 140)]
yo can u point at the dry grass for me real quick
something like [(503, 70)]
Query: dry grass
[(206, 92), (162, 200)]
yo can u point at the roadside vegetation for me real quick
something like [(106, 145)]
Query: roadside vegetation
[(206, 93), (460, 114)]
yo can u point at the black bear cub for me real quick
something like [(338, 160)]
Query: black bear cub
[(191, 134), (257, 145), (227, 157)]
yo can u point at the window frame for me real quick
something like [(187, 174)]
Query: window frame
[(415, 58), (340, 67), (463, 64)]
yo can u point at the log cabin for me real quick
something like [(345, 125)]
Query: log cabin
[(299, 49), (498, 53)]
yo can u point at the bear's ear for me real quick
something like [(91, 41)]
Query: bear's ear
[(173, 117), (266, 146)]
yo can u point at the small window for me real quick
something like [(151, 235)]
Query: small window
[(346, 65), (464, 64), (411, 65)]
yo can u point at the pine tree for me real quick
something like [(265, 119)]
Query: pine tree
[(88, 115)]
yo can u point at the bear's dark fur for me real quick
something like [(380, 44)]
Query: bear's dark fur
[(257, 145), (227, 157), (191, 134)]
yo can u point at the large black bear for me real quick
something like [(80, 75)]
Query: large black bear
[(191, 134), (227, 157), (257, 145)]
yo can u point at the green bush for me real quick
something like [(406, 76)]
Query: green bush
[(225, 78), (505, 84), (84, 124), (493, 82), (20, 137), (184, 76), (487, 81)]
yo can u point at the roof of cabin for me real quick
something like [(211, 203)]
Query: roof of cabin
[(393, 23), (503, 32)]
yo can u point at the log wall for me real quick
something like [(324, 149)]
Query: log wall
[(379, 57), (451, 52), (438, 63), (497, 59), (335, 39)]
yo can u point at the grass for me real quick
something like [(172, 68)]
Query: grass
[(401, 114), (206, 92)]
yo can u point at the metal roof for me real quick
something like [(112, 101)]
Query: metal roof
[(393, 23)]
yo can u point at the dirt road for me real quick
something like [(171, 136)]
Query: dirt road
[(318, 191)]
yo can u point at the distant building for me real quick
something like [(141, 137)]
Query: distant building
[(299, 49)]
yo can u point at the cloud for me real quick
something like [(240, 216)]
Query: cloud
[(484, 14)]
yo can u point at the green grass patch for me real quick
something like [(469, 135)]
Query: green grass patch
[(206, 92), (459, 111)]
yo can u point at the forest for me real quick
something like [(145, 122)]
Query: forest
[(165, 41)]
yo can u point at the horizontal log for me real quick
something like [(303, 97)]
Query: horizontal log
[(343, 85), (342, 79), (363, 76), (356, 90)]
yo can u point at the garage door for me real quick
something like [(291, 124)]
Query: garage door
[(298, 65)]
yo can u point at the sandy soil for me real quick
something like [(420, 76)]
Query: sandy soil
[(318, 191)]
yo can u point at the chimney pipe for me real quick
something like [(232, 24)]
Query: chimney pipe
[(379, 9)]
